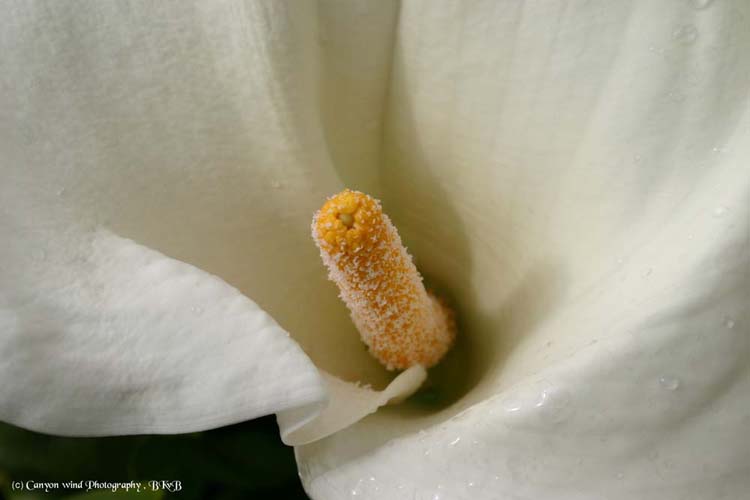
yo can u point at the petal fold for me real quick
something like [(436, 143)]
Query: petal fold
[(107, 337), (348, 404)]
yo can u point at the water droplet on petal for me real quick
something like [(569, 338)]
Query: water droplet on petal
[(554, 405), (437, 495), (685, 35), (700, 4), (365, 486), (512, 405), (455, 441), (542, 399), (729, 323), (669, 383)]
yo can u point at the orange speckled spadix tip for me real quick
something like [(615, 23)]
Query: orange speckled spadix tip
[(401, 322)]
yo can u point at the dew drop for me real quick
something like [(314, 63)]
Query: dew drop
[(437, 495), (554, 405), (719, 211), (669, 383), (512, 405), (543, 396), (700, 4), (685, 35), (455, 441), (365, 486), (729, 323)]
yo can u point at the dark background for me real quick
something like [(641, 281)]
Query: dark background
[(243, 461)]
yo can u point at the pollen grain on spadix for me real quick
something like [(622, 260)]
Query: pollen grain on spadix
[(400, 321)]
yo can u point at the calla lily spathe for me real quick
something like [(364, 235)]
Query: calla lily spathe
[(575, 173)]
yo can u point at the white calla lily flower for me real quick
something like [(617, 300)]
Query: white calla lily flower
[(575, 174)]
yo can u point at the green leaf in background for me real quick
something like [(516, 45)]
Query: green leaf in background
[(93, 495), (119, 495), (241, 461)]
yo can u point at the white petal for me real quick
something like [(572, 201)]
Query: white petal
[(198, 132), (348, 404), (577, 174), (112, 338)]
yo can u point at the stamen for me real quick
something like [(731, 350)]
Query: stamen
[(401, 322)]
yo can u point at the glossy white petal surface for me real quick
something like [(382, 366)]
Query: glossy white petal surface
[(160, 163), (576, 173)]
